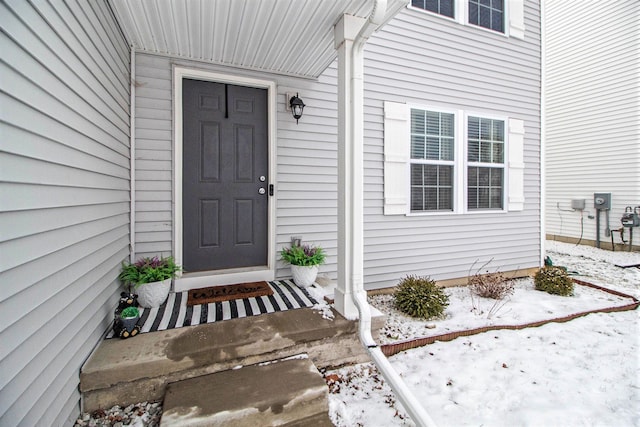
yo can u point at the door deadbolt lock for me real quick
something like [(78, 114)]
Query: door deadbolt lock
[(262, 178), (262, 190)]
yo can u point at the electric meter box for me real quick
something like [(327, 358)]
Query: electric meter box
[(631, 218), (602, 201)]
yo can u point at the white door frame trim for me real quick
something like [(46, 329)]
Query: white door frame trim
[(219, 277)]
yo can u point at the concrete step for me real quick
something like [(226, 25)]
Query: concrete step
[(288, 392), (121, 372)]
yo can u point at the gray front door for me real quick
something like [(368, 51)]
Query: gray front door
[(225, 176)]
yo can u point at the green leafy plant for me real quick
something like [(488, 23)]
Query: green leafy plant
[(303, 255), (420, 297), (148, 270), (130, 312), (554, 280)]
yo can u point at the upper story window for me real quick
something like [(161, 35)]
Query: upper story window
[(487, 13), (441, 7), (502, 16)]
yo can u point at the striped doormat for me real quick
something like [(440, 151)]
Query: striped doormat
[(175, 313)]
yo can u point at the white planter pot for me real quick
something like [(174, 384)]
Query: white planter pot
[(304, 275), (153, 294)]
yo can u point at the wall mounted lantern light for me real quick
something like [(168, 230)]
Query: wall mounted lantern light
[(297, 106)]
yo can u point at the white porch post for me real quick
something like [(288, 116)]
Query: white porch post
[(350, 296), (350, 166)]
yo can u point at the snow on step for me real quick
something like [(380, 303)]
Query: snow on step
[(284, 392)]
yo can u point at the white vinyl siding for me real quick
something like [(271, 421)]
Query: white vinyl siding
[(64, 199), (422, 59), (153, 156), (592, 113), (419, 59)]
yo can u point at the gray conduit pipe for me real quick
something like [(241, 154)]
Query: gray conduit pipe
[(415, 409)]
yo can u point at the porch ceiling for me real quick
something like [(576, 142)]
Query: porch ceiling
[(251, 34)]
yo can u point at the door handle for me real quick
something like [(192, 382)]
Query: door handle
[(261, 190)]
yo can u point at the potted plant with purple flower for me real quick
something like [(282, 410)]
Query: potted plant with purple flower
[(151, 279), (304, 260)]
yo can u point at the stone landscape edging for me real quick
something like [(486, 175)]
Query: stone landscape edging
[(395, 348)]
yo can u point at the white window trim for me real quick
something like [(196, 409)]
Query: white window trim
[(397, 162), (456, 160), (504, 165), (513, 16)]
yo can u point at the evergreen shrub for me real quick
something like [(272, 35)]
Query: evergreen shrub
[(554, 280), (420, 297)]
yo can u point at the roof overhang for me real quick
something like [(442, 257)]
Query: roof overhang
[(291, 37)]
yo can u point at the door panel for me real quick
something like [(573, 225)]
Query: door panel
[(210, 152), (225, 151), (210, 229)]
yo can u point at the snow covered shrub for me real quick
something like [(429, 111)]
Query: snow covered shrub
[(554, 280), (420, 297), (491, 285)]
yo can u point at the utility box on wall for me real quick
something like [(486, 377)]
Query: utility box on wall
[(577, 204), (602, 201)]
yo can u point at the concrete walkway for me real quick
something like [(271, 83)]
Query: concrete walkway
[(284, 392)]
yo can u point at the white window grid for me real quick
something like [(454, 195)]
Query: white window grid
[(483, 164), (435, 162), (461, 164), (461, 16)]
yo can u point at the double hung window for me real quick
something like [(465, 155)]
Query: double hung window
[(432, 160), (485, 163), (435, 172), (439, 161)]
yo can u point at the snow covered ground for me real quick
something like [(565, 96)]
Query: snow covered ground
[(582, 373)]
